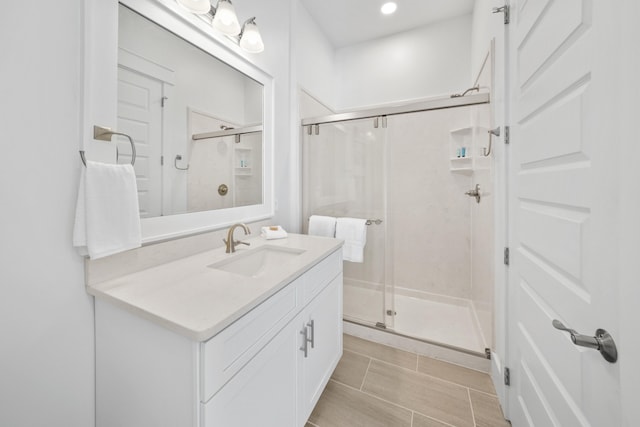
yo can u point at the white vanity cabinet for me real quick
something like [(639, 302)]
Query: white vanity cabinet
[(324, 348), (254, 372)]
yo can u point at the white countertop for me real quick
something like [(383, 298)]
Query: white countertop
[(194, 300)]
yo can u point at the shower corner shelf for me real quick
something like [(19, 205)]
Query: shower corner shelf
[(243, 171), (468, 137)]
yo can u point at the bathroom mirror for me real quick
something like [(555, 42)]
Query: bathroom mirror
[(253, 108), (196, 121)]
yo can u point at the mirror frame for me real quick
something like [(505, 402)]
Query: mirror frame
[(100, 103)]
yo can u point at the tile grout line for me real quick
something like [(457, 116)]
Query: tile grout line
[(457, 365), (436, 378), (473, 414), (434, 419), (424, 373), (390, 403), (413, 413), (365, 374)]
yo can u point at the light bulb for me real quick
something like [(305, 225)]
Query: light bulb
[(250, 38), (225, 19)]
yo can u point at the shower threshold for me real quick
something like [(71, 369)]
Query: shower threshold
[(485, 354), (448, 322)]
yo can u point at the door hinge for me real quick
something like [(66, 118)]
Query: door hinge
[(381, 325), (506, 256), (507, 134), (161, 160), (163, 101), (505, 10), (487, 353), (507, 376), (391, 313)]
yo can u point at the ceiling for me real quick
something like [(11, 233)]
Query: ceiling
[(347, 22)]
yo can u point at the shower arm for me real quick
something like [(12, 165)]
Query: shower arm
[(458, 95)]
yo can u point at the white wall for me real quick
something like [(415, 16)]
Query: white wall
[(314, 58), (274, 21), (487, 26), (424, 62), (46, 320)]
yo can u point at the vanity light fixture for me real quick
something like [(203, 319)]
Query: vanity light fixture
[(200, 7), (388, 8), (225, 19), (250, 38)]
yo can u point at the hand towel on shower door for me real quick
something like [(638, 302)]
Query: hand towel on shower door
[(354, 233), (107, 213)]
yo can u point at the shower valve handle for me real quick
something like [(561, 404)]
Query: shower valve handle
[(474, 193)]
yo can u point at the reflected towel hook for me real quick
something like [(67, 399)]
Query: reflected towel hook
[(104, 134), (175, 163)]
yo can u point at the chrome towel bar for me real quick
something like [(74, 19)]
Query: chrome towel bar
[(104, 134), (376, 221)]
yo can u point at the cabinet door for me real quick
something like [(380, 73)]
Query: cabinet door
[(325, 311), (263, 393)]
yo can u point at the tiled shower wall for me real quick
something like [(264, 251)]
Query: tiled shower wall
[(429, 213)]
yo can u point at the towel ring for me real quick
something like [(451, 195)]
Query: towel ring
[(104, 134)]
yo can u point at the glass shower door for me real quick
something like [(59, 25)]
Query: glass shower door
[(344, 176)]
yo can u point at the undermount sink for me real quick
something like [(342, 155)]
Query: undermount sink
[(257, 262)]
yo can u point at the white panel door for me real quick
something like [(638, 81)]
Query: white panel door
[(563, 207), (140, 116)]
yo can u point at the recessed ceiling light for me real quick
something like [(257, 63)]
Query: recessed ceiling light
[(388, 8)]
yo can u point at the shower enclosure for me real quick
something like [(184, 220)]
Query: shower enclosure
[(427, 270)]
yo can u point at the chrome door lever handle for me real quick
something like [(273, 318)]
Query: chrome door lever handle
[(602, 341)]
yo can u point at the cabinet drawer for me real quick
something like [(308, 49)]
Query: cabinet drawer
[(226, 353), (316, 279)]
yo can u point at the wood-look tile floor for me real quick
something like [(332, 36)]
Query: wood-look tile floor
[(379, 386)]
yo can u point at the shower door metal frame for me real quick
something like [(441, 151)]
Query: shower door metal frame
[(434, 104), (388, 309)]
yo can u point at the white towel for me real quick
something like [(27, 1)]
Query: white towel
[(354, 233), (273, 232), (107, 213), (322, 226)]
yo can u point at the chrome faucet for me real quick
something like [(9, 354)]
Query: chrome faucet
[(231, 244)]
